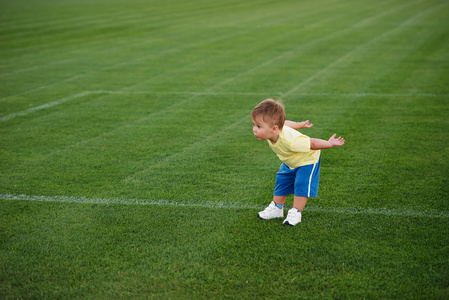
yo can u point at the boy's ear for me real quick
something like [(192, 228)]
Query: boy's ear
[(275, 129)]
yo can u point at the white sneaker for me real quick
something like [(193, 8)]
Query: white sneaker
[(293, 217), (271, 212)]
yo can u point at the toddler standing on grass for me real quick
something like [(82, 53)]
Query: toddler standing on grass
[(300, 155)]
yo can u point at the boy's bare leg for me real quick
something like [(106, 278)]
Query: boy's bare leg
[(299, 202), (279, 199)]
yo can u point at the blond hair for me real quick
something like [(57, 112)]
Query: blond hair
[(269, 111)]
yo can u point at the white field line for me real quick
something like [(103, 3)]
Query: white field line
[(38, 67), (43, 106), (224, 205), (265, 94)]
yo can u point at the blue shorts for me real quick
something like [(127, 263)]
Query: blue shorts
[(301, 182)]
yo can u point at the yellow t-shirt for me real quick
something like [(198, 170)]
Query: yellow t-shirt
[(293, 148)]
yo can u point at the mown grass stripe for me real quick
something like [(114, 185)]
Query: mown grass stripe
[(35, 29), (308, 46), (176, 19), (363, 46), (224, 205), (272, 93), (231, 79), (178, 48), (274, 21), (266, 94)]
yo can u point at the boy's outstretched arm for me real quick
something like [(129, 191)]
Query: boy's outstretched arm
[(317, 144), (297, 125)]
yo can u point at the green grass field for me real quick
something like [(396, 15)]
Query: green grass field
[(128, 167)]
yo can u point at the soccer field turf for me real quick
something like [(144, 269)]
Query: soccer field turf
[(129, 168)]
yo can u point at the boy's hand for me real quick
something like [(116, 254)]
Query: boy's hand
[(318, 144), (297, 125), (336, 141), (304, 124)]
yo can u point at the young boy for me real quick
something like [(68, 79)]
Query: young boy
[(300, 156)]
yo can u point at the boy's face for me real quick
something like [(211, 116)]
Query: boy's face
[(263, 131)]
